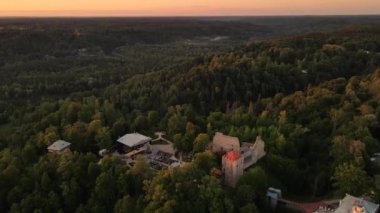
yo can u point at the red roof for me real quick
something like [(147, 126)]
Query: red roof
[(232, 155)]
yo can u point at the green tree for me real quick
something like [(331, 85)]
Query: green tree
[(153, 118), (140, 123), (205, 161), (106, 190), (124, 205), (350, 178), (249, 208), (200, 143), (77, 134), (141, 168), (244, 194), (257, 180), (185, 189), (103, 138), (49, 136)]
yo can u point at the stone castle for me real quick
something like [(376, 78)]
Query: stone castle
[(236, 157)]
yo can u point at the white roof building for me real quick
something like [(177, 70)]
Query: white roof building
[(134, 139), (58, 146)]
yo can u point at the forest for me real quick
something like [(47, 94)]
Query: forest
[(314, 98)]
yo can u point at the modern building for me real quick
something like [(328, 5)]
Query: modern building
[(160, 152), (59, 146), (356, 205), (133, 142)]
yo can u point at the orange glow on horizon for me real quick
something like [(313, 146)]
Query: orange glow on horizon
[(185, 7)]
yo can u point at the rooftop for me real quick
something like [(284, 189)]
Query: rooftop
[(232, 155), (134, 139), (59, 145), (349, 202)]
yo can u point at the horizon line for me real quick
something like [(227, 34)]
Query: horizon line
[(185, 16)]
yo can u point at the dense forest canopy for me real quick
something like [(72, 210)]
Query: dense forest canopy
[(314, 98)]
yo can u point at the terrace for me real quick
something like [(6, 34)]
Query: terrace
[(159, 152)]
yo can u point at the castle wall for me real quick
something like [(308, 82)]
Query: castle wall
[(232, 169), (225, 143)]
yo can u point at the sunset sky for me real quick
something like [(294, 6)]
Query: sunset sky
[(185, 7)]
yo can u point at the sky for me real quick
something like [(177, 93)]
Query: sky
[(186, 7)]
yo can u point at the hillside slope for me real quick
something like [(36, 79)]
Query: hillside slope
[(263, 69), (314, 99)]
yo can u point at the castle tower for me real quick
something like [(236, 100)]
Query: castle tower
[(233, 167)]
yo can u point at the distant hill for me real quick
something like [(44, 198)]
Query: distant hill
[(256, 70)]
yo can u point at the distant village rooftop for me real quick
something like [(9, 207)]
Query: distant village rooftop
[(58, 146), (134, 139)]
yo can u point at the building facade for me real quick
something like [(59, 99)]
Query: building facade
[(233, 168), (224, 143), (236, 158)]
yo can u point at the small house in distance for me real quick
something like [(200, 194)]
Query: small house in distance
[(356, 205), (59, 146), (133, 142)]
